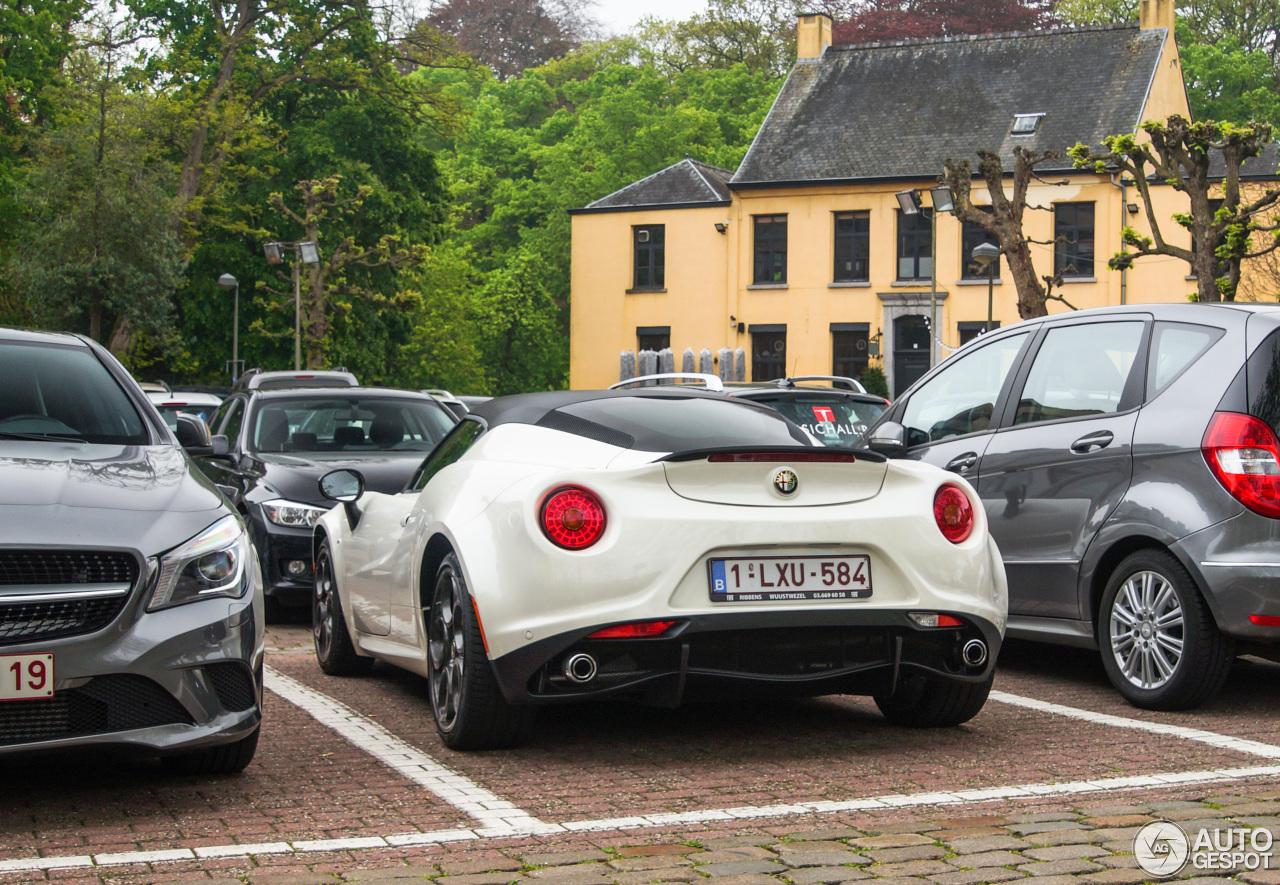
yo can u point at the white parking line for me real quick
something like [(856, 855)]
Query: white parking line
[(653, 821), (1221, 741), (497, 816)]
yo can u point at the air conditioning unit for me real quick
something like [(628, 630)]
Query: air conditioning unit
[(642, 236)]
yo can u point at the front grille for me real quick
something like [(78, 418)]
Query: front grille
[(67, 567), (66, 570), (232, 684), (103, 705)]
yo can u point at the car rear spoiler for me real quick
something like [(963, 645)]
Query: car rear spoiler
[(793, 454)]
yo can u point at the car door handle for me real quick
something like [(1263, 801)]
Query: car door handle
[(1086, 444), (962, 463)]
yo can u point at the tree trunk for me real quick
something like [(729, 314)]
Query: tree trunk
[(315, 322), (95, 316)]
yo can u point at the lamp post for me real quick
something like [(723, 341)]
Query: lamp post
[(988, 256), (910, 203), (227, 281), (305, 252)]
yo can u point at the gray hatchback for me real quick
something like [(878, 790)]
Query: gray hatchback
[(130, 596), (1128, 462)]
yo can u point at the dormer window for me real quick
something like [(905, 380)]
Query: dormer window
[(1026, 124)]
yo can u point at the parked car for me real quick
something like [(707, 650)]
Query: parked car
[(660, 545), (170, 404), (273, 444), (130, 597), (451, 402), (836, 410), (256, 379), (1127, 461)]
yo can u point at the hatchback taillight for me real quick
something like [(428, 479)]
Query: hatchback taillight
[(572, 518), (1243, 453), (953, 513)]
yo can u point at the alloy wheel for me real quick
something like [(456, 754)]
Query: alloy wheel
[(1146, 629), (323, 625), (446, 644)]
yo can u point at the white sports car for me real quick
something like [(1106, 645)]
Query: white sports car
[(662, 545)]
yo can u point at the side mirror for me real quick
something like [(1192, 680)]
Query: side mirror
[(888, 439), (193, 435), (345, 487), (221, 446)]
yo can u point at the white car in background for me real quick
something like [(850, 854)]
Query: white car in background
[(202, 405), (661, 545)]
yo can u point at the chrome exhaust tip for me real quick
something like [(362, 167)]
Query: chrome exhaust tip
[(974, 653), (581, 668)]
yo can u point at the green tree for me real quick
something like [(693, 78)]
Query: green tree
[(522, 343), (758, 34), (1227, 81)]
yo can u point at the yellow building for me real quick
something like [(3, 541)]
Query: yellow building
[(803, 257)]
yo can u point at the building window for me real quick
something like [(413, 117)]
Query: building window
[(970, 331), (853, 247), (768, 352), (653, 338), (771, 248), (1073, 239), (849, 349), (1025, 124), (649, 241), (915, 245), (971, 236)]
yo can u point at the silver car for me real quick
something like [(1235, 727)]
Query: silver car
[(130, 596)]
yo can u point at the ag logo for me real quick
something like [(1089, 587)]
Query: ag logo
[(785, 481), (1161, 848)]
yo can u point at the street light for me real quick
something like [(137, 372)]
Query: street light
[(227, 281), (988, 256), (306, 252), (909, 201)]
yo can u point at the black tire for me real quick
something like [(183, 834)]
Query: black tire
[(1160, 646), (225, 759), (927, 702), (469, 709), (335, 652)]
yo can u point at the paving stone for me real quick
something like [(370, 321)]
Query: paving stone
[(734, 868), (1174, 804), (913, 852), (669, 874), (728, 855), (1049, 826), (825, 875), (718, 843), (495, 878), (900, 880), (1105, 809), (1060, 867), (1131, 876), (746, 879), (897, 840), (1041, 817), (785, 848), (1265, 823), (1254, 808), (1206, 880), (1190, 812), (1062, 837), (387, 874), (1196, 824), (1261, 877), (1117, 861), (1120, 820), (562, 858), (824, 835), (643, 850), (958, 823), (582, 874), (977, 877), (1062, 852), (897, 829), (987, 859), (292, 879), (987, 843), (909, 868), (649, 862), (826, 858), (966, 833), (488, 864)]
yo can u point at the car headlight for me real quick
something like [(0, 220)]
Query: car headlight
[(213, 563), (291, 514)]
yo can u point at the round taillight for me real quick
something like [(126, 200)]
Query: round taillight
[(572, 518), (953, 513)]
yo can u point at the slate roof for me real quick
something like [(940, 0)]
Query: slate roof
[(686, 184), (886, 111)]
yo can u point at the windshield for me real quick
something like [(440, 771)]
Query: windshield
[(833, 419), (60, 392), (348, 424)]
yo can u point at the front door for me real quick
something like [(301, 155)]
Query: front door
[(910, 351), (1052, 477)]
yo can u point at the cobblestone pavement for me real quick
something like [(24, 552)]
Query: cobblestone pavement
[(1049, 783)]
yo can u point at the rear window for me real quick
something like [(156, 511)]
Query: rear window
[(833, 419), (1264, 381), (677, 424), (57, 393), (348, 424)]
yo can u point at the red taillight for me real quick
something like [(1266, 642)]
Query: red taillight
[(934, 619), (1242, 453), (640, 630), (781, 457), (572, 518), (953, 513), (1265, 620)]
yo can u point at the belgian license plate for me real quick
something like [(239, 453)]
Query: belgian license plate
[(783, 578), (26, 677)]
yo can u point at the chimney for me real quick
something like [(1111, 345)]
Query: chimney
[(813, 34), (1156, 14)]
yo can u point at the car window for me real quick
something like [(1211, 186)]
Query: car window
[(312, 423), (235, 417), (454, 446), (962, 397), (1174, 346), (56, 391), (1079, 370), (835, 420)]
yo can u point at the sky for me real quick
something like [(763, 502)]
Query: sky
[(619, 15)]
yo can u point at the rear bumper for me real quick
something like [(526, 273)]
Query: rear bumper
[(795, 653)]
